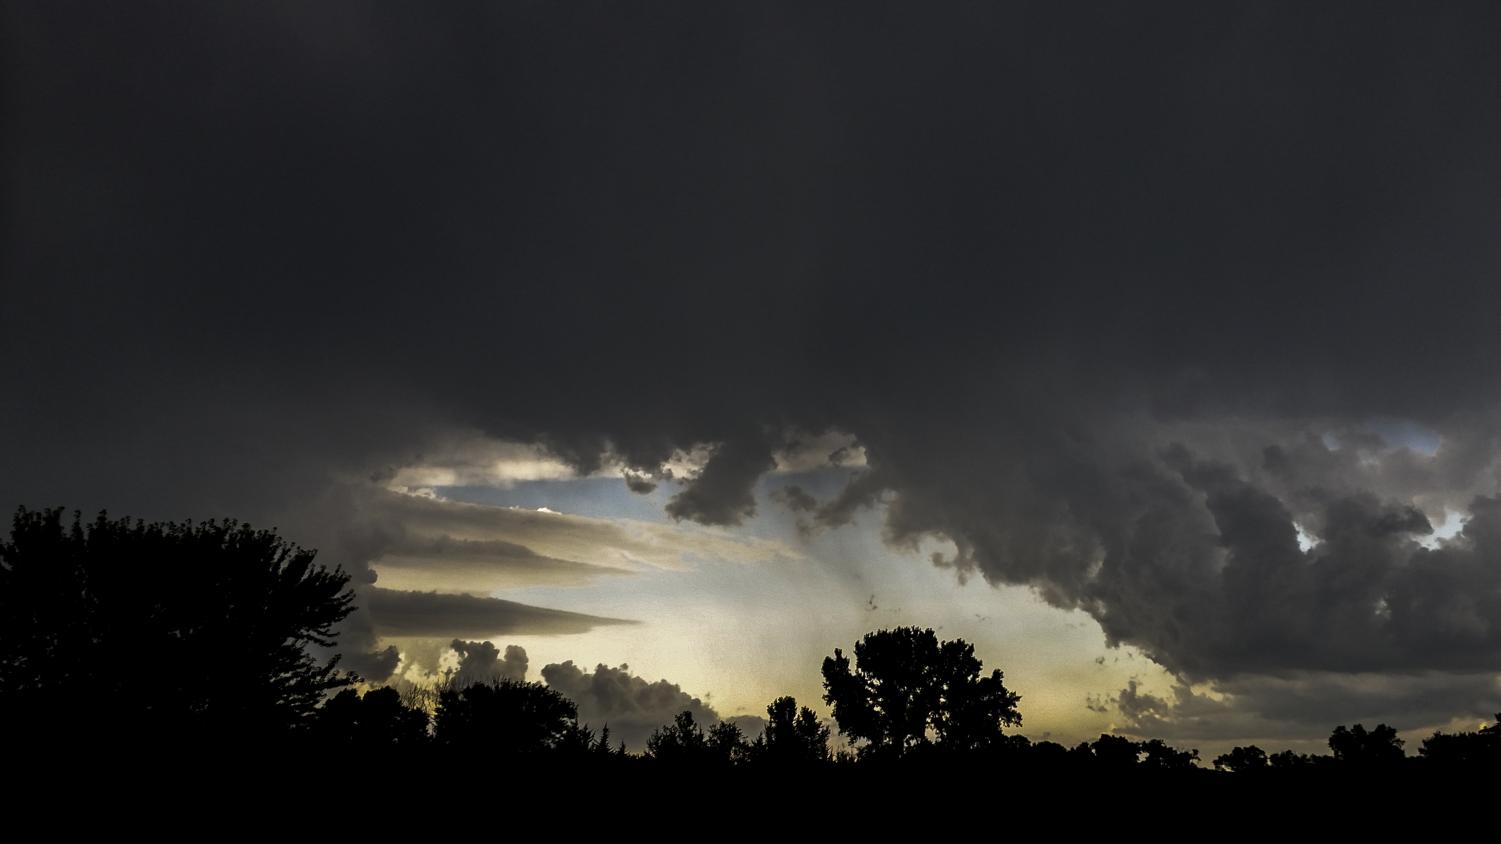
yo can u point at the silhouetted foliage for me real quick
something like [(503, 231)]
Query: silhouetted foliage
[(680, 743), (122, 629), (1242, 760), (1464, 750), (1113, 752), (727, 744), (378, 719), (505, 717), (1287, 760), (905, 685), (1356, 746), (793, 735), (1156, 755)]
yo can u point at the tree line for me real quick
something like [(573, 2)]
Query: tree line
[(182, 636)]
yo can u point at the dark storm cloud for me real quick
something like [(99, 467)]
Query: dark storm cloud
[(721, 493), (1307, 707), (430, 614), (630, 705), (1089, 285), (372, 666)]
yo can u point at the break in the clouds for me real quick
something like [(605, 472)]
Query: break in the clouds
[(1129, 304)]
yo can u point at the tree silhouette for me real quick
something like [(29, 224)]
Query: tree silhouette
[(1114, 753), (377, 720), (120, 630), (681, 742), (1482, 747), (727, 744), (1242, 760), (793, 735), (582, 745), (905, 685), (506, 717), (1157, 755), (1358, 747)]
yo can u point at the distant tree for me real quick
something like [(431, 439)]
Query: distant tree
[(727, 744), (1115, 752), (157, 632), (1242, 760), (681, 742), (377, 720), (1156, 755), (1358, 747), (582, 744), (603, 747), (793, 735), (1482, 747), (505, 717), (905, 685), (1287, 760)]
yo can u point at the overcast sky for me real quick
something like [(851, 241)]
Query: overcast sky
[(657, 349)]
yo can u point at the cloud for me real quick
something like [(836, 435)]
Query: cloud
[(639, 484), (721, 493), (796, 499), (435, 614), (478, 566), (1307, 705), (631, 706), (374, 666), (616, 543), (482, 662)]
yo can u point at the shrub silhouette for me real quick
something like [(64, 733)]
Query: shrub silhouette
[(120, 630)]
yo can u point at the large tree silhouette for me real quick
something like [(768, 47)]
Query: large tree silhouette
[(119, 630), (907, 690)]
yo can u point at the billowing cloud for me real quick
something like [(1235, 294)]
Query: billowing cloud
[(482, 662), (630, 705)]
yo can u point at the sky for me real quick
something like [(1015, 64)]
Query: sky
[(655, 350)]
